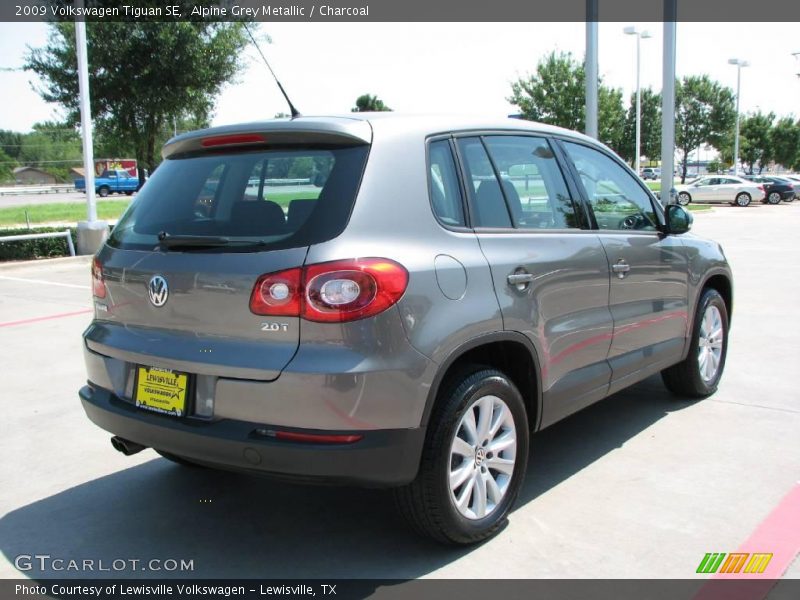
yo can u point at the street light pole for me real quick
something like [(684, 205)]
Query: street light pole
[(91, 233), (591, 69), (739, 64), (639, 35)]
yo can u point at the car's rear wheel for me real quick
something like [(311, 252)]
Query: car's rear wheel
[(698, 375), (684, 198), (473, 462), (774, 198), (104, 191), (742, 199)]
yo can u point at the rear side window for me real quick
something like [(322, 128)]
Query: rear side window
[(259, 200), (489, 206), (532, 182), (444, 189)]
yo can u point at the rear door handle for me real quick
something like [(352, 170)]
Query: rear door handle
[(520, 280), (517, 278), (620, 268)]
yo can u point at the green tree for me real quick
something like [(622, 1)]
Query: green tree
[(52, 147), (650, 126), (785, 143), (7, 166), (704, 114), (755, 141), (555, 94), (142, 75), (10, 143), (368, 103)]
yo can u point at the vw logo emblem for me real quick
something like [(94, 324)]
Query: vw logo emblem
[(158, 290)]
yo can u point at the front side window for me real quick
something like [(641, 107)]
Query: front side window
[(616, 198)]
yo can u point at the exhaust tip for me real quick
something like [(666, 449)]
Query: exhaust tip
[(127, 447)]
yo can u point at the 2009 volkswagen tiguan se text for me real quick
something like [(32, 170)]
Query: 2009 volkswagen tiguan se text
[(394, 301)]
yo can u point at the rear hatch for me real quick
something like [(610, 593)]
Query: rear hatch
[(173, 284)]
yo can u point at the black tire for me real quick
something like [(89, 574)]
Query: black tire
[(129, 193), (684, 198), (426, 502), (103, 191), (685, 379), (179, 460), (742, 199), (774, 198)]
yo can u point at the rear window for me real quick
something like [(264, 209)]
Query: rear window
[(261, 200)]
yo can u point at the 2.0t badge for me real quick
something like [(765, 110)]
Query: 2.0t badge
[(158, 290)]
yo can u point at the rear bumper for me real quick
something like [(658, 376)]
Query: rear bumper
[(382, 458)]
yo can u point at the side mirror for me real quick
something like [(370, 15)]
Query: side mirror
[(679, 220)]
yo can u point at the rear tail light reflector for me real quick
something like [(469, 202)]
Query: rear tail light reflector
[(311, 438)]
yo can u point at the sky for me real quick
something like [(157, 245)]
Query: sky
[(447, 67)]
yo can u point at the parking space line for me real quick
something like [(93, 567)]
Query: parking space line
[(43, 282), (47, 318), (778, 534), (776, 542)]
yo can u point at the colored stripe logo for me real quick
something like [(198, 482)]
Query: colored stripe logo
[(736, 562)]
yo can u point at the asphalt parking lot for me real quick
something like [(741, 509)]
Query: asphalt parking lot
[(637, 486)]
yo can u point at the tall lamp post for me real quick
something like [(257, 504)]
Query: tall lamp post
[(640, 35), (739, 64)]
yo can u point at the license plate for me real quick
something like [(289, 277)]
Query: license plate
[(161, 390)]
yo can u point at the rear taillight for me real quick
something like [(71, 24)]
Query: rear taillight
[(344, 290), (278, 293), (98, 285), (761, 187)]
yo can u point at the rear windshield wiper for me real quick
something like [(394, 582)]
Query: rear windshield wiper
[(170, 241), (202, 241)]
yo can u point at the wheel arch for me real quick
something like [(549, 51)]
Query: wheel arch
[(508, 351), (721, 282)]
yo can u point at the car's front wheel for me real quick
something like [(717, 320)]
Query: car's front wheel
[(698, 375), (684, 198), (774, 198), (473, 462)]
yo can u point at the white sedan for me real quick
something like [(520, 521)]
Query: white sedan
[(720, 188)]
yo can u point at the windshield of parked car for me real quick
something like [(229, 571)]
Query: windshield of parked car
[(245, 200)]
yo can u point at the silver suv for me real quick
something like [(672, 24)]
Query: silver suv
[(392, 301)]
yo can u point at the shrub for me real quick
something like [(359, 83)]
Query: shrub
[(30, 249)]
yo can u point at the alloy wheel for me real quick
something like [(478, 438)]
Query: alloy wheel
[(710, 341), (482, 457)]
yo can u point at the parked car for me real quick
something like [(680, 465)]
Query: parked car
[(651, 173), (776, 188), (117, 181), (795, 181), (726, 188), (411, 326)]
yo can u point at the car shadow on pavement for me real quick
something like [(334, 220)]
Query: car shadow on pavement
[(237, 526)]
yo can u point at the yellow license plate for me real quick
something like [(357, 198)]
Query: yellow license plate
[(161, 390)]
